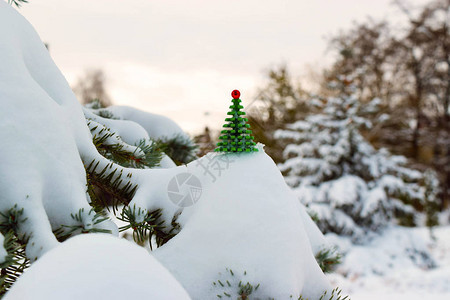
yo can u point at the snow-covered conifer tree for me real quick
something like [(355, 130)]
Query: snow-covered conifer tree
[(351, 187), (63, 166)]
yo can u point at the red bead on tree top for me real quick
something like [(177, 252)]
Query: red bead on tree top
[(235, 94)]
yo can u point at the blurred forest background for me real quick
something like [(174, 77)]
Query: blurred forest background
[(406, 69)]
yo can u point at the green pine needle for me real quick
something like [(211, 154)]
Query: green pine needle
[(17, 3), (336, 294), (146, 154), (10, 220), (66, 231), (15, 264), (149, 226), (108, 190), (328, 258), (181, 149), (243, 290)]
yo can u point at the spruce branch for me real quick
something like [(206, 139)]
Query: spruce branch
[(15, 263), (95, 104), (87, 223), (141, 222), (17, 3), (11, 219), (230, 283), (336, 294), (97, 108), (181, 149), (108, 189), (146, 154), (104, 113), (147, 225), (161, 235), (328, 258), (152, 154)]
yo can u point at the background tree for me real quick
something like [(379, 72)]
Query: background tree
[(408, 70), (279, 102), (352, 188), (362, 54), (426, 84), (204, 142), (91, 87)]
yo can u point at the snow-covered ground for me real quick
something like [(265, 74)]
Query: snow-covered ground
[(384, 270)]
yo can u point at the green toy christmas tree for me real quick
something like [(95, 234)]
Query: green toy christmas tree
[(238, 137)]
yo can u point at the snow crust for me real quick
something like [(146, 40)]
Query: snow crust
[(97, 266), (247, 220)]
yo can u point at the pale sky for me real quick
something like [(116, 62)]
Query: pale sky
[(183, 58)]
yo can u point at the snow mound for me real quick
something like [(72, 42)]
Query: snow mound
[(97, 266), (248, 221)]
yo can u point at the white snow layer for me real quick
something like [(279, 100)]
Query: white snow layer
[(41, 125), (248, 221), (97, 266), (134, 125), (124, 132), (157, 126)]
